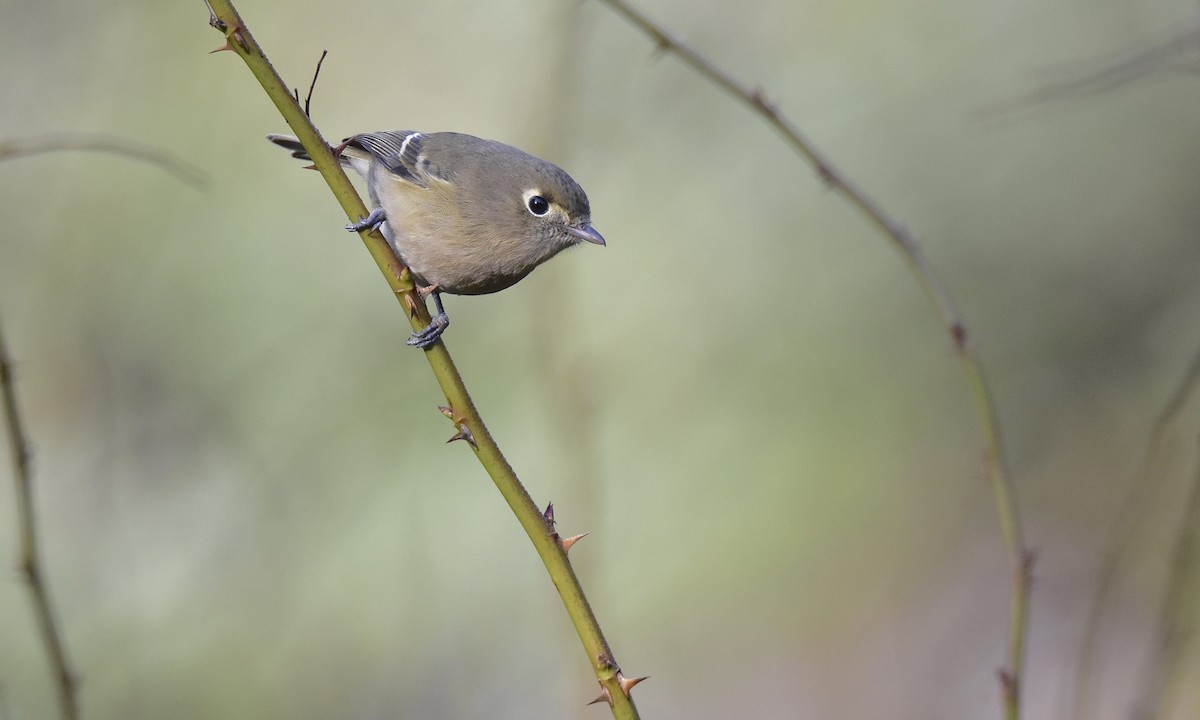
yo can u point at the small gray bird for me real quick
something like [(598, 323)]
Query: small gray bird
[(468, 216)]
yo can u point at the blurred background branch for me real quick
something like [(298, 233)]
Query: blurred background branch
[(79, 142), (1175, 51), (1020, 558), (31, 563)]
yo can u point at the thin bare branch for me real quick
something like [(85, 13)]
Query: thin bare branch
[(313, 85), (69, 142), (1020, 559), (32, 566), (1091, 77)]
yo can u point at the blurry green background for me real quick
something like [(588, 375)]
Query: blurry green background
[(247, 507)]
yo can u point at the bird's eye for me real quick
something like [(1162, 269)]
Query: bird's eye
[(538, 205)]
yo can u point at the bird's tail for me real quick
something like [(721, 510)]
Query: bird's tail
[(292, 145)]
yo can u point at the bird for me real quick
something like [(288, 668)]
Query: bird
[(468, 216)]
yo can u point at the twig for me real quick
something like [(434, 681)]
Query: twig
[(461, 409), (32, 566), (106, 144), (1100, 76), (313, 86), (1020, 559)]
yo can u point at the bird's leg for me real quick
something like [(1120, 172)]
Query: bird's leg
[(437, 324), (370, 222)]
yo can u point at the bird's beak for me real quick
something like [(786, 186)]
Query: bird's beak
[(587, 233)]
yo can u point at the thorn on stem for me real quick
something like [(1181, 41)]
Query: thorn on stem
[(566, 543), (548, 513), (604, 696), (628, 683), (232, 33), (464, 433), (409, 303)]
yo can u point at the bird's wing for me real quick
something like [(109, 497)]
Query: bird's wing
[(400, 151)]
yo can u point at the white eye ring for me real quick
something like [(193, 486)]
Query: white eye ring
[(535, 203)]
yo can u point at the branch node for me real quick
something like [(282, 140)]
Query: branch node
[(827, 175), (958, 332), (1009, 686), (215, 21), (232, 33), (605, 662), (1028, 560), (759, 97)]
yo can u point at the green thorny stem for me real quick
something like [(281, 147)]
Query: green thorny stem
[(1020, 558), (461, 410)]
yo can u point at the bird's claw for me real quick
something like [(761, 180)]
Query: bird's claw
[(370, 222), (429, 334)]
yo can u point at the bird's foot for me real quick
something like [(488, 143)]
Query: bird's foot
[(430, 333), (370, 222)]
